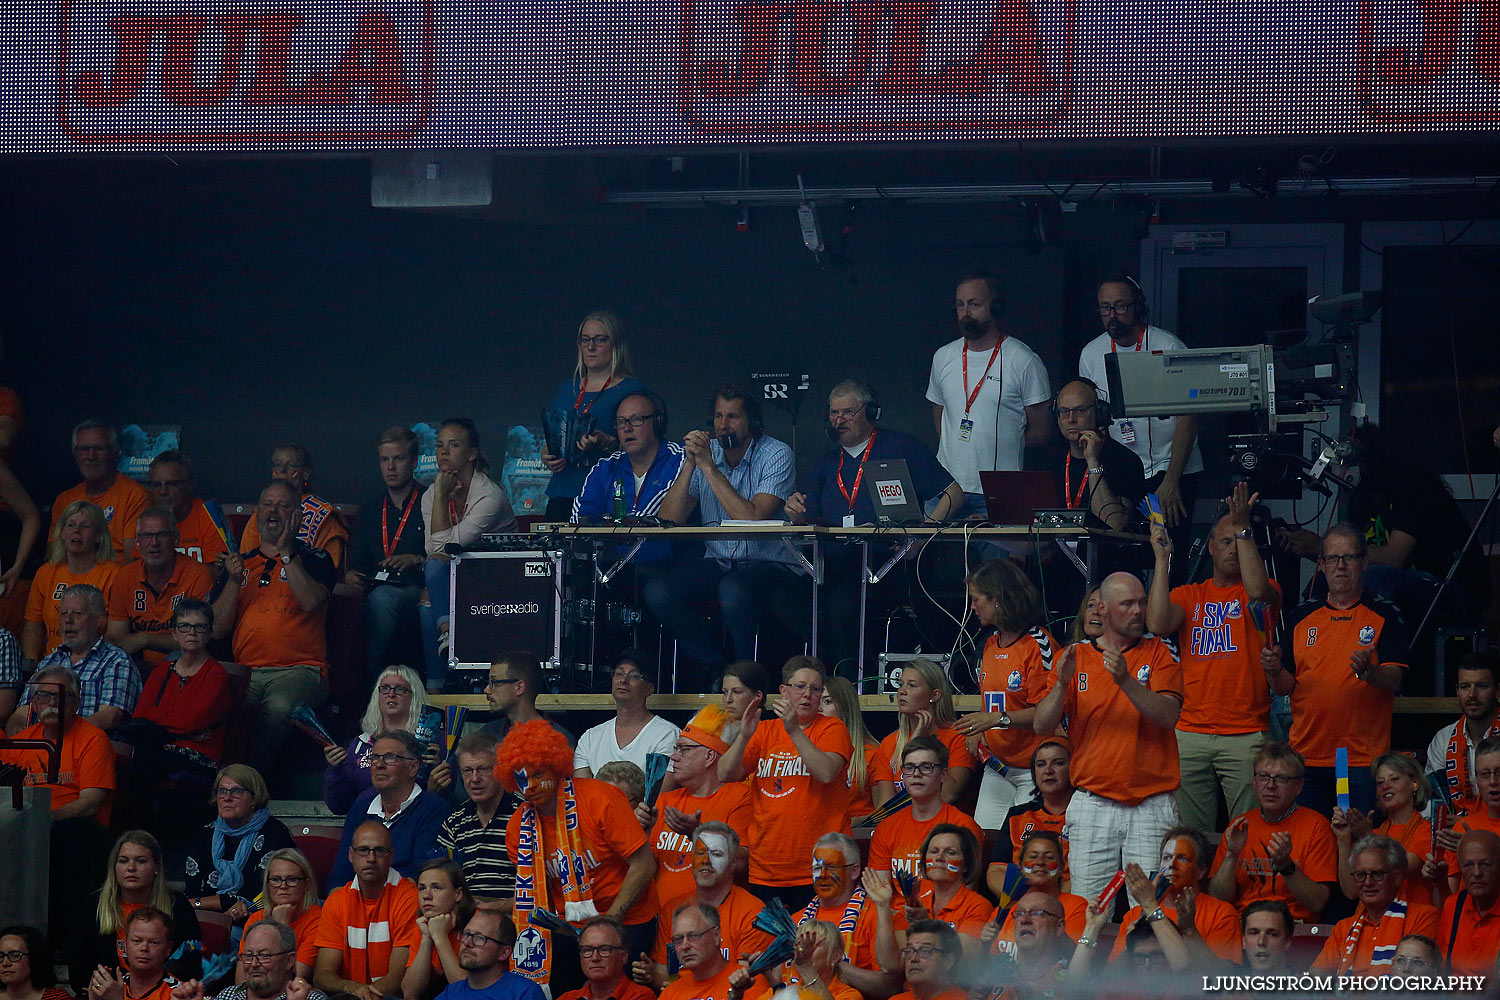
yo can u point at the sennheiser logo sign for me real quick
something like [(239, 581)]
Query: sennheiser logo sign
[(538, 569), (498, 610)]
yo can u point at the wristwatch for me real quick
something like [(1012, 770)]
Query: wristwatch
[(1246, 534), (1286, 868), (1157, 914), (1004, 720)]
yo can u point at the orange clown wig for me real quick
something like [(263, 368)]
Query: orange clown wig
[(533, 747)]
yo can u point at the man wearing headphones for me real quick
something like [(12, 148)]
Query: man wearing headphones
[(738, 474), (1098, 472), (639, 474), (836, 496), (989, 392), (1166, 446)]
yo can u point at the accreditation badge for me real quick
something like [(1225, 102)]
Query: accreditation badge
[(965, 429)]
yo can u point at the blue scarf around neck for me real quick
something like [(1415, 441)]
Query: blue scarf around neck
[(232, 869)]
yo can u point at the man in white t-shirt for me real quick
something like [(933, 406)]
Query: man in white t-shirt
[(989, 392), (633, 732), (1166, 446)]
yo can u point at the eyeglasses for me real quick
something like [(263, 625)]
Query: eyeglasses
[(1339, 560), (923, 951), (394, 689), (1276, 779), (260, 957), (474, 937), (1402, 962), (602, 950), (1148, 958), (231, 793), (818, 866), (680, 939), (1067, 412), (1118, 308), (154, 536), (265, 574), (599, 341), (13, 956), (165, 484), (845, 414), (285, 881), (495, 682), (636, 421), (388, 759), (1375, 874), (1039, 913), (470, 772), (372, 852), (683, 748), (816, 689), (925, 768), (628, 675), (192, 628)]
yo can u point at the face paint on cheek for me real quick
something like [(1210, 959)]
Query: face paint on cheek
[(1183, 862), (713, 848)]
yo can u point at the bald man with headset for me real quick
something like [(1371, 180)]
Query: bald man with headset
[(1166, 446), (1098, 473)]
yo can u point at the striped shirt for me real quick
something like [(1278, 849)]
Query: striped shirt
[(766, 467), (479, 849)]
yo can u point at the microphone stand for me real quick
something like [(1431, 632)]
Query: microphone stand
[(1457, 561)]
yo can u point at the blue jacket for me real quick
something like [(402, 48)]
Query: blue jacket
[(598, 493), (414, 835)]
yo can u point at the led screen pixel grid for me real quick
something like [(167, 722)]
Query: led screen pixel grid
[(222, 75)]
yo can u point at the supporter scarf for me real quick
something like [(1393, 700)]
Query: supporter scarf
[(1383, 954), (533, 953), (847, 922), (1458, 765), (232, 869)]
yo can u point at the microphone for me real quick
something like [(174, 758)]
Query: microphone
[(729, 440), (832, 432)]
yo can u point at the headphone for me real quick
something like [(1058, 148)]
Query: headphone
[(658, 411), (753, 415), (1102, 417), (1142, 311), (871, 406)]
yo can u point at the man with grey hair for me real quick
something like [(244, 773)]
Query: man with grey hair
[(1365, 944), (834, 494), (96, 450), (144, 593), (1343, 664), (107, 681), (844, 894), (412, 814), (268, 956)]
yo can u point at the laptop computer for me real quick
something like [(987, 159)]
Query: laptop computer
[(1014, 497), (892, 493)]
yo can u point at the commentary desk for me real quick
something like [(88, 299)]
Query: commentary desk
[(892, 543)]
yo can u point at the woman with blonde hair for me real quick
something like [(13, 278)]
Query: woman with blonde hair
[(80, 552), (397, 701), (924, 707), (1087, 624), (289, 891), (1402, 792), (601, 379), (841, 701), (226, 857), (135, 878)]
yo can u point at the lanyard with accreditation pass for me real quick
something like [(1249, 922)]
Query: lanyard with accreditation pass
[(386, 541), (1069, 497), (966, 425), (852, 494), (1126, 428), (583, 387)]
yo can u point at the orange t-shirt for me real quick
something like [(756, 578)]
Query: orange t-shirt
[(1376, 944), (437, 960), (1314, 849), (1332, 708), (161, 991), (738, 933), (860, 948), (271, 629), (1224, 689), (1022, 672), (956, 993), (896, 844), (122, 504), (1075, 916), (132, 599), (861, 801), (1416, 837), (47, 590), (1471, 951), (888, 768), (1218, 925), (322, 527), (1022, 823), (967, 912), (199, 537), (674, 851), (624, 990), (789, 809), (608, 833), (689, 987), (1117, 753), (88, 761), (367, 930), (304, 927)]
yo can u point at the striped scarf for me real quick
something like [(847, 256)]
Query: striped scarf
[(847, 922), (1382, 954)]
